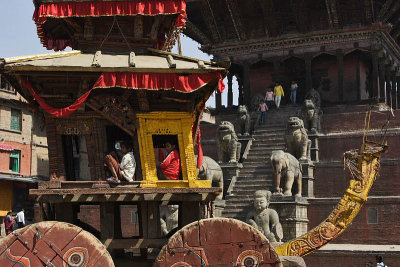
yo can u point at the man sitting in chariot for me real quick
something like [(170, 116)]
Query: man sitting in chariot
[(126, 169)]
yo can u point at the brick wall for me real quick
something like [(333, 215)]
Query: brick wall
[(90, 214)]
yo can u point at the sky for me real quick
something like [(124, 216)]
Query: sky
[(18, 37)]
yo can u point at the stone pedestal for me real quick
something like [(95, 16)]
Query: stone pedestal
[(218, 206), (308, 178), (230, 171), (246, 141), (292, 213), (314, 146)]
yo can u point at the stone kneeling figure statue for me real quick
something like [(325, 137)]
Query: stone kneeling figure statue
[(264, 219)]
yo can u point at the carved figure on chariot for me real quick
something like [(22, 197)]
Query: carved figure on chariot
[(263, 218), (228, 146), (287, 172), (244, 120), (296, 139), (169, 222)]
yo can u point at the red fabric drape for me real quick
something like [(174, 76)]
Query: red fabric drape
[(157, 81), (199, 149), (149, 81), (98, 9), (58, 112)]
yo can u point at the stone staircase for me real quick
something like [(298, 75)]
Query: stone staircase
[(256, 173)]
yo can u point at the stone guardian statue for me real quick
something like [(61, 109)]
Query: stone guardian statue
[(244, 120), (263, 218), (296, 139), (228, 146), (311, 115), (286, 169)]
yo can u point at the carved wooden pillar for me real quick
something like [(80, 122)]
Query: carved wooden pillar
[(246, 85), (308, 60), (392, 92), (375, 75), (218, 100), (54, 141), (358, 79), (387, 86), (240, 83), (277, 71), (230, 91), (381, 80), (397, 90), (339, 57), (95, 146)]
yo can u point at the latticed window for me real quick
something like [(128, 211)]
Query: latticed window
[(16, 118), (15, 157), (372, 217)]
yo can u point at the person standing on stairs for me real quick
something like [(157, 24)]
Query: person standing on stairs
[(263, 108), (278, 92), (269, 97)]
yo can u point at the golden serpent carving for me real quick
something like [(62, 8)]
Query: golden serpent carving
[(347, 209)]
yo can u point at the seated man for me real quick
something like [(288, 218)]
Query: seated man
[(126, 169), (170, 167)]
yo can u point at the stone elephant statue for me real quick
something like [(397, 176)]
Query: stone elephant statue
[(210, 170), (286, 168), (228, 146), (244, 120), (296, 139), (311, 116)]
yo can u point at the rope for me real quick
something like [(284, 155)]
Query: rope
[(112, 26)]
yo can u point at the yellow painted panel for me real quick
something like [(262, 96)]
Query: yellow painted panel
[(168, 123), (6, 196)]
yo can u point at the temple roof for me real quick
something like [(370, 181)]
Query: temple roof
[(218, 22), (156, 62)]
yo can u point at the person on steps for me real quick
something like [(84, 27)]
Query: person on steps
[(263, 108), (278, 92)]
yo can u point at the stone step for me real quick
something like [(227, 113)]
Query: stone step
[(264, 151), (244, 185), (266, 148), (260, 170)]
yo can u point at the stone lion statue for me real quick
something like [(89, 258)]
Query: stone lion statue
[(314, 96), (296, 139), (311, 115), (244, 120), (228, 146), (287, 169)]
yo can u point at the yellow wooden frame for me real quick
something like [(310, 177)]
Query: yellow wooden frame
[(168, 123)]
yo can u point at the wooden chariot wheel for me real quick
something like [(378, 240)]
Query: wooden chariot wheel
[(55, 244), (218, 242)]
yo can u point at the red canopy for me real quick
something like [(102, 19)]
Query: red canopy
[(147, 81), (98, 9)]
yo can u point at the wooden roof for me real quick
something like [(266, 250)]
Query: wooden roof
[(155, 62)]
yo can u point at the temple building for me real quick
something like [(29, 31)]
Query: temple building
[(121, 92), (348, 51)]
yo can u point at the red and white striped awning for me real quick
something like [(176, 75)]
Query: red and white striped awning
[(6, 147)]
